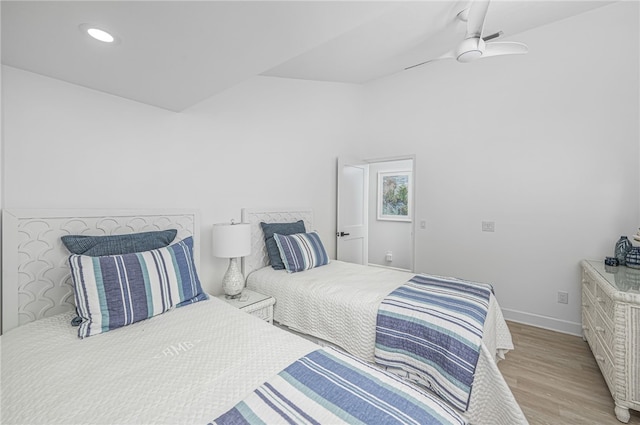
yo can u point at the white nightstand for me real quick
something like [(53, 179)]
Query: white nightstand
[(254, 303)]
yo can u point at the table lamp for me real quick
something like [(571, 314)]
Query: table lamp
[(232, 240)]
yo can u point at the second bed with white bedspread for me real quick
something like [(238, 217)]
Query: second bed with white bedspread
[(339, 303)]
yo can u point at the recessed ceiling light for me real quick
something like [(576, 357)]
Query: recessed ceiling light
[(101, 35), (97, 33)]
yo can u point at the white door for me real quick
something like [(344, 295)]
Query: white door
[(352, 214)]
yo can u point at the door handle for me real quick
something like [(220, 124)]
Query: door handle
[(342, 234)]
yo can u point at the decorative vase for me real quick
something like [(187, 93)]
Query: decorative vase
[(633, 258), (623, 246)]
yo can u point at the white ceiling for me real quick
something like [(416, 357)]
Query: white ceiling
[(174, 54)]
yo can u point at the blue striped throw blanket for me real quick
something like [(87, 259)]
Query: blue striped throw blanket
[(431, 327), (329, 387)]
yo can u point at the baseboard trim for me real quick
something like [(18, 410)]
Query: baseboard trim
[(545, 322)]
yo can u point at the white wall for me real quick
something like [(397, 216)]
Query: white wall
[(268, 142), (385, 236), (546, 145)]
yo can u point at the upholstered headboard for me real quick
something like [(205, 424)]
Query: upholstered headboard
[(258, 257), (36, 281)]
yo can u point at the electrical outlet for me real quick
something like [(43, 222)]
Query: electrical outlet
[(423, 224), (563, 297), (488, 226), (389, 256)]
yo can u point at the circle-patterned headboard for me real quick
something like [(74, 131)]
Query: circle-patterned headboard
[(36, 281), (258, 257)]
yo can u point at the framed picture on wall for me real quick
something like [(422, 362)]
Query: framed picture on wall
[(394, 195)]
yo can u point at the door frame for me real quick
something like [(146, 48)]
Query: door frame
[(412, 158)]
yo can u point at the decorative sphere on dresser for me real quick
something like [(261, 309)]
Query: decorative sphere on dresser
[(633, 258)]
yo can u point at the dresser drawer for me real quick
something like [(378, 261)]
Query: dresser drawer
[(588, 283), (588, 301), (588, 326), (605, 364), (604, 303), (604, 331)]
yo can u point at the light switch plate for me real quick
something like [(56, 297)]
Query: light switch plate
[(488, 226)]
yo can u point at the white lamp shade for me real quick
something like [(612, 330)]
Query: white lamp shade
[(231, 240)]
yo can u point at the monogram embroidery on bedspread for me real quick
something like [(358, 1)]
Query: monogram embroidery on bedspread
[(177, 349), (432, 328)]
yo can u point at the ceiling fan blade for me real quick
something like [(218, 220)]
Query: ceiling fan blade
[(476, 16), (448, 55), (504, 48)]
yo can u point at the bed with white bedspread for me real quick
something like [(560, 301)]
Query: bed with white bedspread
[(338, 303), (200, 363)]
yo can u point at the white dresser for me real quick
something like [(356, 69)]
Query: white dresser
[(611, 326)]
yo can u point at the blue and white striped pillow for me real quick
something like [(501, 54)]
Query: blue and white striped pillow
[(301, 251), (118, 290)]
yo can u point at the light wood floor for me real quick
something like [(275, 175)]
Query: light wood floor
[(556, 380)]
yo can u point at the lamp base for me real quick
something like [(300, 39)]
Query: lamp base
[(233, 280)]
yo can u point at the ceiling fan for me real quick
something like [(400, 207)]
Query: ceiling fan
[(475, 46)]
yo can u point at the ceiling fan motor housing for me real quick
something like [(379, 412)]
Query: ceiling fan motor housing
[(470, 49)]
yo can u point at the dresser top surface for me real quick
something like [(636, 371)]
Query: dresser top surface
[(623, 279)]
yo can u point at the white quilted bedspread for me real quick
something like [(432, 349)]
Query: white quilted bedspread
[(339, 302), (186, 366)]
